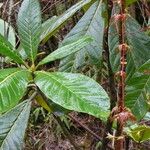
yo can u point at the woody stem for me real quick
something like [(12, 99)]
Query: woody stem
[(119, 143)]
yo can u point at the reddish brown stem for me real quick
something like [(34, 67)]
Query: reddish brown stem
[(119, 143)]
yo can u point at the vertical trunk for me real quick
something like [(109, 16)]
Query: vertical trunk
[(119, 143)]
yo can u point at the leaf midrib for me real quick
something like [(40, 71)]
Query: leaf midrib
[(82, 99), (9, 76)]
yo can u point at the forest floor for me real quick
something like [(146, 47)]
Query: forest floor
[(47, 134)]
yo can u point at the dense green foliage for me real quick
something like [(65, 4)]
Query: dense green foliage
[(82, 46)]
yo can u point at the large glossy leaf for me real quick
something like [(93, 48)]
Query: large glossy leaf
[(57, 24), (67, 50), (6, 49), (74, 92), (138, 87), (13, 84), (138, 42), (13, 125), (4, 28), (139, 133), (29, 27), (92, 24)]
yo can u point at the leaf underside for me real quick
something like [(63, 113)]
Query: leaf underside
[(13, 125)]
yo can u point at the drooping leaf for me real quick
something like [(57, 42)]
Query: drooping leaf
[(6, 49), (67, 50), (57, 109), (4, 27), (138, 87), (74, 92), (29, 27), (92, 24), (51, 107), (13, 84), (42, 102), (13, 125), (139, 133)]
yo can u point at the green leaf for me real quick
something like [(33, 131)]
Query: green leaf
[(11, 34), (56, 25), (51, 107), (6, 49), (92, 24), (57, 109), (13, 84), (138, 87), (46, 25), (67, 50), (13, 125), (138, 42), (29, 27), (147, 116), (86, 7), (22, 52), (129, 2), (139, 133), (74, 92)]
